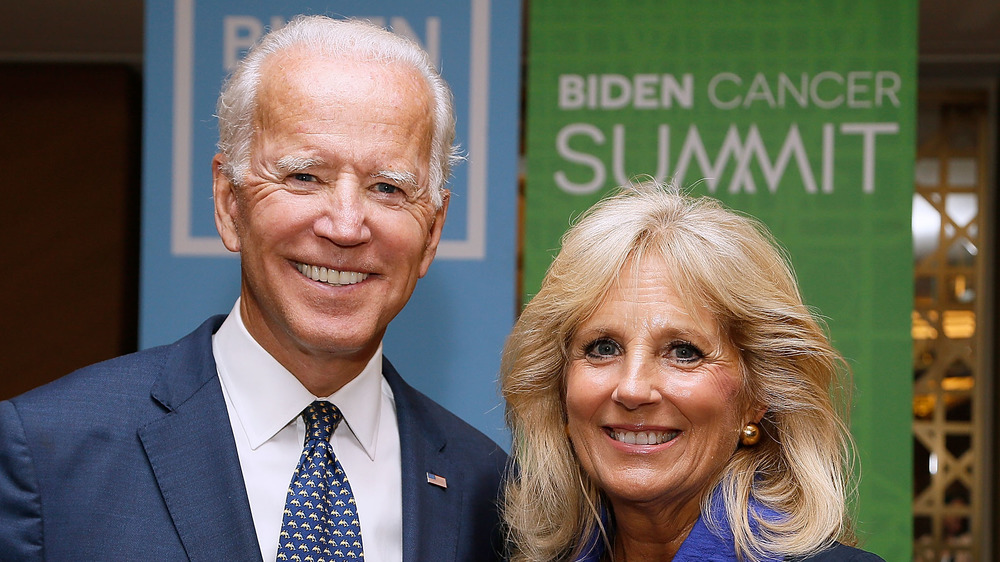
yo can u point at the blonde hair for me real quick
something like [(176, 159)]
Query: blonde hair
[(729, 264), (237, 104)]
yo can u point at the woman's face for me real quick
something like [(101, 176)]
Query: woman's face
[(652, 393)]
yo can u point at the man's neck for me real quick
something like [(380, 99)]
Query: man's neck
[(321, 372)]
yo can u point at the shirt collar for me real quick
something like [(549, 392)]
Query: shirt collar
[(267, 397)]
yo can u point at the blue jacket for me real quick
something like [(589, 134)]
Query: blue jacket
[(134, 459)]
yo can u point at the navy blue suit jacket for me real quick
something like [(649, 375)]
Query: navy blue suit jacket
[(134, 459)]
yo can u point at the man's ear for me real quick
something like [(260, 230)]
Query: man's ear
[(224, 196), (434, 235)]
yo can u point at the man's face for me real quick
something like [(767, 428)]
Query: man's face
[(334, 221)]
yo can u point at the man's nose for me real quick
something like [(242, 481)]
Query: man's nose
[(637, 385), (344, 217)]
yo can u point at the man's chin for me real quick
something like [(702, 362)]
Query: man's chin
[(344, 339)]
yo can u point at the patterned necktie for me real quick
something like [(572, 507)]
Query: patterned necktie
[(321, 519)]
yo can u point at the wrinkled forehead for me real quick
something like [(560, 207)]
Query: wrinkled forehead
[(300, 75), (374, 114), (678, 281)]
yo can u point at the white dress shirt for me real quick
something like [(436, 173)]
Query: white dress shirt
[(265, 403)]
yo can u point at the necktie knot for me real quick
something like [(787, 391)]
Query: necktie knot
[(321, 419)]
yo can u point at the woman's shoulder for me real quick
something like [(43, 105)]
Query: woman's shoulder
[(842, 553)]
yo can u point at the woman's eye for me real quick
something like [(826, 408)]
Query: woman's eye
[(603, 348), (684, 352)]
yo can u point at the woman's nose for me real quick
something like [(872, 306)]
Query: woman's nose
[(637, 385)]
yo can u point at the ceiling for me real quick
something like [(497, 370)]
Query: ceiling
[(111, 31)]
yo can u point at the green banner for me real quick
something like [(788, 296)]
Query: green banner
[(799, 113)]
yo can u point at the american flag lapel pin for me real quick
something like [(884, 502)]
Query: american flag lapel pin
[(436, 480)]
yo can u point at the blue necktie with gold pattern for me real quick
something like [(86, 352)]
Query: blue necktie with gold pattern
[(321, 519)]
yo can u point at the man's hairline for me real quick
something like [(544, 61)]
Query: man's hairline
[(301, 50)]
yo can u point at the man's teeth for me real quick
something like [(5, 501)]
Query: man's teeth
[(331, 276), (644, 437)]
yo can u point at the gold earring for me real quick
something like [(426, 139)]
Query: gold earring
[(750, 434)]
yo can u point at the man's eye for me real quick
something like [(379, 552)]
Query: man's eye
[(304, 177), (386, 188)]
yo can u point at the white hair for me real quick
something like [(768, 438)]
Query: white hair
[(237, 105)]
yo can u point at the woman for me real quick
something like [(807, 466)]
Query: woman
[(669, 396)]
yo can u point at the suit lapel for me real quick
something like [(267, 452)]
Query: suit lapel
[(431, 514), (192, 453)]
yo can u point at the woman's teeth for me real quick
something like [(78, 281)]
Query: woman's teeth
[(331, 276), (643, 437)]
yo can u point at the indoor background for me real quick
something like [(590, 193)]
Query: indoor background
[(70, 155)]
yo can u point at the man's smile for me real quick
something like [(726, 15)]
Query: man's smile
[(331, 276)]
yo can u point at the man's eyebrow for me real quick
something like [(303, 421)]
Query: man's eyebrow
[(294, 164), (397, 176)]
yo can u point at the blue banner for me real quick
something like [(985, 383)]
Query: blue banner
[(447, 341)]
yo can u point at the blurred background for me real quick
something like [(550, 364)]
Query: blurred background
[(71, 79)]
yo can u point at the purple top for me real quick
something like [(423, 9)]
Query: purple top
[(703, 543)]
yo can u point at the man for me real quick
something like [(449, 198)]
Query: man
[(335, 141)]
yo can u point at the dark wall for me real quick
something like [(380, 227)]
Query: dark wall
[(70, 165)]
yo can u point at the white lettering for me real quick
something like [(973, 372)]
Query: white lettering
[(759, 90), (857, 85), (747, 156), (672, 90), (868, 132), (610, 83), (616, 91), (773, 173), (239, 33), (595, 163), (827, 181), (814, 90), (827, 90), (785, 85), (645, 91), (713, 85), (887, 85), (570, 91), (694, 147), (618, 154)]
